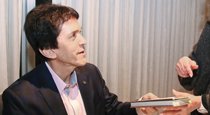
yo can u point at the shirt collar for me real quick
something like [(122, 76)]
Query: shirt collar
[(59, 82), (73, 78)]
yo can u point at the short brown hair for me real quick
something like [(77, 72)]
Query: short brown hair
[(43, 25)]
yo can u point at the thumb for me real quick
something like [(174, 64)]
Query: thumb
[(177, 93), (194, 65)]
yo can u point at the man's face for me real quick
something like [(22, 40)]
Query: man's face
[(71, 50)]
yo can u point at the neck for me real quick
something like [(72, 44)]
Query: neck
[(62, 70)]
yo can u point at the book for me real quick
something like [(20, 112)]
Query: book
[(161, 102)]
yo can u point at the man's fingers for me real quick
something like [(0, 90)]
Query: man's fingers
[(174, 108), (149, 110), (177, 93), (149, 96), (171, 112)]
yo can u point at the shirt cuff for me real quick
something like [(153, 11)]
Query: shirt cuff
[(202, 109)]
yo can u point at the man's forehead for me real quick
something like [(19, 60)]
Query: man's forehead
[(71, 25)]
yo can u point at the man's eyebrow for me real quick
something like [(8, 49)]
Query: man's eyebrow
[(76, 30)]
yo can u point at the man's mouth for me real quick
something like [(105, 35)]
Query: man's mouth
[(82, 52)]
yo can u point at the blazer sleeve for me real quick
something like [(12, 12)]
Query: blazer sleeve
[(112, 105), (12, 104), (115, 107)]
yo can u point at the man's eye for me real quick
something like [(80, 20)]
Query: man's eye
[(73, 35)]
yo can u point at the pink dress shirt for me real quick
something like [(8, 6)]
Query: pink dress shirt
[(73, 101)]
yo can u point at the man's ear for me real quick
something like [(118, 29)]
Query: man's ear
[(48, 53)]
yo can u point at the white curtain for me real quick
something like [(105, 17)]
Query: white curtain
[(10, 26), (3, 47), (137, 43), (27, 53), (12, 18)]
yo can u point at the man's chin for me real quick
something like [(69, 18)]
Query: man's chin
[(83, 62)]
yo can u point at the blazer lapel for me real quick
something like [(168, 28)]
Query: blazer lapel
[(54, 101), (85, 92), (50, 92)]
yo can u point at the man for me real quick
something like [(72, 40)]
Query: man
[(65, 83)]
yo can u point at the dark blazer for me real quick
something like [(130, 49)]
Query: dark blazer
[(200, 82), (36, 94)]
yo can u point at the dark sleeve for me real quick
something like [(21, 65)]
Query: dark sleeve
[(189, 83), (12, 105), (206, 101), (201, 55), (115, 107), (112, 105)]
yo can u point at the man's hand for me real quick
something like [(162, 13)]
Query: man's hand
[(185, 67), (185, 109), (147, 110)]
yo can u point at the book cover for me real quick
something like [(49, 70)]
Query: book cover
[(161, 102)]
